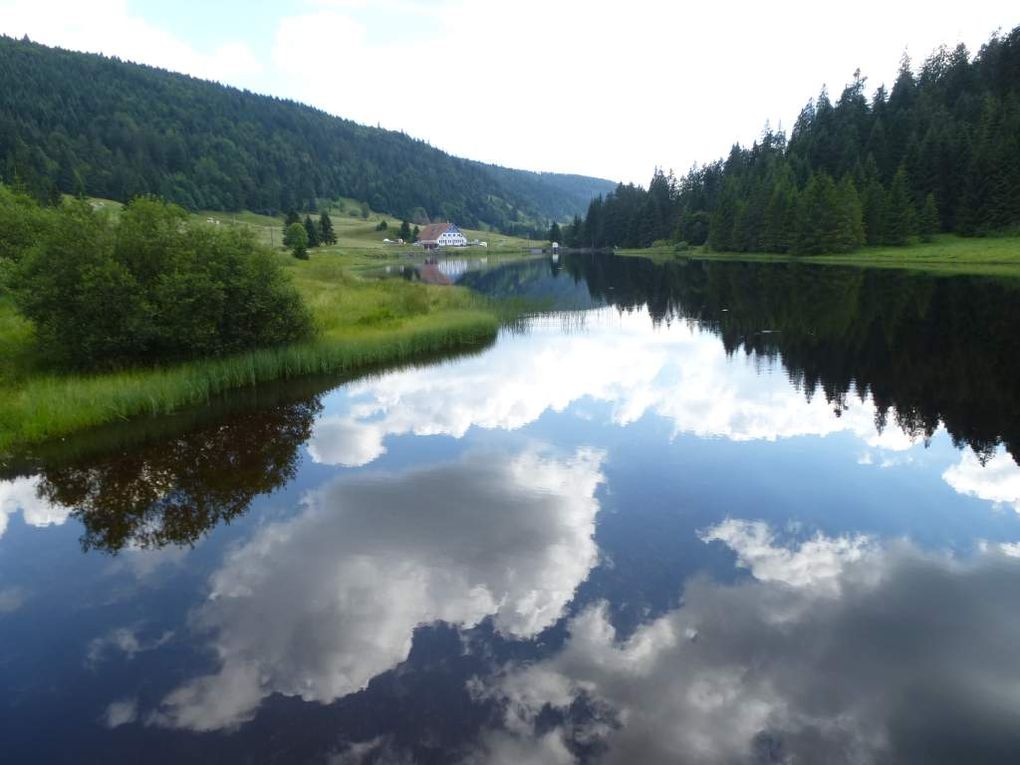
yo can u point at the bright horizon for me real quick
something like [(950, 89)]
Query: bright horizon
[(552, 86)]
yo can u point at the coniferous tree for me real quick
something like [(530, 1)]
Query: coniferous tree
[(951, 130), (850, 234), (720, 232), (928, 221), (414, 234), (555, 235), (405, 231), (572, 234), (326, 233), (873, 205), (312, 231), (900, 220), (819, 216)]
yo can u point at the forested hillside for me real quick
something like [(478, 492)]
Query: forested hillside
[(940, 151), (75, 122)]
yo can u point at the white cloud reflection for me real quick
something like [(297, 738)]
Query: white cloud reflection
[(318, 605), (997, 481), (910, 658), (22, 494), (679, 373)]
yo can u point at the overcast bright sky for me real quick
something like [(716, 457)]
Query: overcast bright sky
[(601, 88)]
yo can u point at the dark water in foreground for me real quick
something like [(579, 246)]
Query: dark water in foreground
[(707, 513)]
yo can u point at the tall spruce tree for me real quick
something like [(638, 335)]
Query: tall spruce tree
[(313, 232), (928, 221), (850, 232), (326, 233), (900, 221), (818, 214)]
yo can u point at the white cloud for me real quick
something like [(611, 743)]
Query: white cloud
[(120, 713), (111, 27), (317, 606), (912, 662), (554, 85), (11, 599), (22, 494), (817, 562), (997, 481), (680, 373), (126, 640), (575, 86)]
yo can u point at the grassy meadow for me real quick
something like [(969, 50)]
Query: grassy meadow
[(357, 238), (361, 324)]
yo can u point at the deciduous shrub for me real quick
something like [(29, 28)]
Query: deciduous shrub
[(151, 287)]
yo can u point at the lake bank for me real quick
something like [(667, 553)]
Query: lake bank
[(361, 324), (992, 256)]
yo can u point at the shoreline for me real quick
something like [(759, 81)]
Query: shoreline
[(362, 325), (947, 254)]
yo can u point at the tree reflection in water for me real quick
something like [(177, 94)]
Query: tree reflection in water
[(173, 491), (929, 349)]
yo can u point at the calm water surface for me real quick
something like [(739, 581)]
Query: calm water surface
[(702, 512)]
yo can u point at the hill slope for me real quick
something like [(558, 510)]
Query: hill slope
[(72, 122)]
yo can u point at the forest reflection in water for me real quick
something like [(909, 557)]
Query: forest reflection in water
[(697, 511), (926, 350)]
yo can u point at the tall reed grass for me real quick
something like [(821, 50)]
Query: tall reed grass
[(362, 324)]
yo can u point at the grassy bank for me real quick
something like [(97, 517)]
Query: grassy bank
[(361, 324), (999, 256)]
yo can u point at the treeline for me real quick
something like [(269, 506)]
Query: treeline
[(78, 123), (940, 151)]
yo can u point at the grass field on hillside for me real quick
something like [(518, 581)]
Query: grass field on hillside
[(356, 236)]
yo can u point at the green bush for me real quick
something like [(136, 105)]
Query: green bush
[(151, 288)]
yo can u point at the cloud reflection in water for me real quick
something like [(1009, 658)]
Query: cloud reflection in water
[(318, 605), (837, 650)]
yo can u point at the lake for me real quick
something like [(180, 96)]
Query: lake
[(706, 512)]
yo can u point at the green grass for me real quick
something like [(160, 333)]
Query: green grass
[(355, 235), (991, 256), (362, 324)]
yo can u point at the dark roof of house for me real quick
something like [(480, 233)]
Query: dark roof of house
[(432, 232)]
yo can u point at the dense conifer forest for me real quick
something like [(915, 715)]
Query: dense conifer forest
[(939, 152), (82, 123)]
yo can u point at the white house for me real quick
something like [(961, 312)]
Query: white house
[(441, 235)]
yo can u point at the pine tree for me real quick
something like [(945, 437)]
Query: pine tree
[(850, 232), (720, 232), (405, 231), (572, 235), (312, 231), (928, 223), (873, 205), (555, 235), (900, 221), (414, 234), (326, 233), (819, 215)]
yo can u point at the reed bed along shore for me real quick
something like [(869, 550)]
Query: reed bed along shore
[(360, 323)]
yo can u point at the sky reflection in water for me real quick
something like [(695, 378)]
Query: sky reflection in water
[(608, 538)]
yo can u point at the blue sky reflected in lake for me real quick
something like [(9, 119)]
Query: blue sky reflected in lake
[(615, 535)]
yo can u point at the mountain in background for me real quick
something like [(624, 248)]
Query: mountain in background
[(84, 123)]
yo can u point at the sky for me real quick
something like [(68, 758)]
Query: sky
[(599, 88)]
